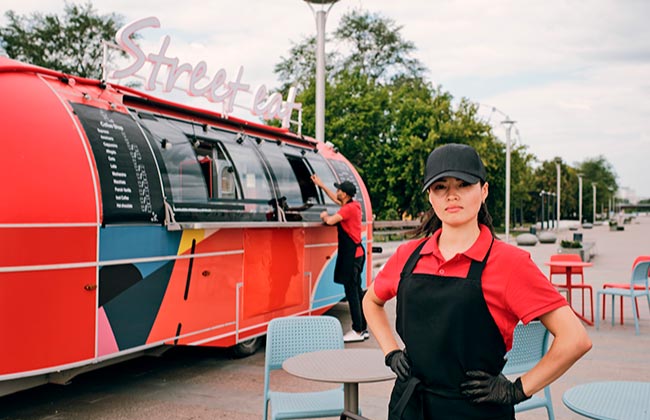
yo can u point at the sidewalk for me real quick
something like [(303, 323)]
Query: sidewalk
[(617, 354)]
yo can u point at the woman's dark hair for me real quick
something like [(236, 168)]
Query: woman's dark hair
[(431, 222)]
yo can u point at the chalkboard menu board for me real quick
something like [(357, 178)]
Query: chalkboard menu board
[(128, 177)]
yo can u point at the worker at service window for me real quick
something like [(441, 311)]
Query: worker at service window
[(351, 255)]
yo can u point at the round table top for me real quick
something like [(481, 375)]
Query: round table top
[(569, 263), (340, 366), (611, 400)]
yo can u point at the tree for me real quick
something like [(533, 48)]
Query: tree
[(300, 68), (376, 47), (71, 43), (381, 113), (597, 170), (600, 171)]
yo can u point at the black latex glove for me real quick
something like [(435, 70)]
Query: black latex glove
[(399, 363), (483, 387)]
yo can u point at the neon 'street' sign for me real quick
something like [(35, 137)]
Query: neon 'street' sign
[(217, 90)]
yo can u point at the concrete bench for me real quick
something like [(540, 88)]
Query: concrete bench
[(526, 239), (547, 237), (586, 253)]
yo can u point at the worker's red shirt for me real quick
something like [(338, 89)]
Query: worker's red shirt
[(351, 223), (513, 286)]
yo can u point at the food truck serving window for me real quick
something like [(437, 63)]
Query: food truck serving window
[(324, 172), (129, 182), (283, 173), (250, 170), (181, 165)]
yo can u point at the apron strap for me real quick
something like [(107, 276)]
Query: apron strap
[(404, 399), (413, 259), (476, 268)]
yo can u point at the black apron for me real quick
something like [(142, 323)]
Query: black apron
[(344, 268), (447, 329)]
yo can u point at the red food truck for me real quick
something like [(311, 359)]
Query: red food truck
[(129, 224)]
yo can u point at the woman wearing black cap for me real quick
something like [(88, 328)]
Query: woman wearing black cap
[(460, 294)]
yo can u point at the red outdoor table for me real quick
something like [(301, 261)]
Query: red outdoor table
[(568, 268)]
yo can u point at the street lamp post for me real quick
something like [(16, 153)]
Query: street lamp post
[(579, 199), (541, 194), (551, 215), (558, 161), (593, 187), (320, 14), (508, 124)]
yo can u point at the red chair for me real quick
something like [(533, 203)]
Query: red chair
[(626, 286), (579, 271)]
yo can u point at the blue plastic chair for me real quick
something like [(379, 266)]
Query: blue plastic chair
[(287, 337), (529, 345), (638, 287)]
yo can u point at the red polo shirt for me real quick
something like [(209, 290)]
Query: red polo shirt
[(513, 286), (351, 223)]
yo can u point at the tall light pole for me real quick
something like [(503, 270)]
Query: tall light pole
[(579, 199), (593, 187), (551, 209), (508, 124), (541, 194), (558, 161), (320, 14)]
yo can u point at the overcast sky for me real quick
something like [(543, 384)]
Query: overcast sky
[(573, 74)]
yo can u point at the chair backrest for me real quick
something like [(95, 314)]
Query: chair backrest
[(290, 336), (640, 273), (639, 259), (565, 257), (287, 337), (528, 347)]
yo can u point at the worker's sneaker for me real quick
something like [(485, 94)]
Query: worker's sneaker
[(352, 336), (365, 334)]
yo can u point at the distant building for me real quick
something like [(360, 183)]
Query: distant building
[(626, 193)]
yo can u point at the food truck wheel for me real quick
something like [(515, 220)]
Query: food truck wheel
[(247, 348)]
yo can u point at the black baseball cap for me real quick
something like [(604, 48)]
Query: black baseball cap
[(347, 187), (454, 160)]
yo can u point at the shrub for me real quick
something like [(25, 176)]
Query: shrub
[(570, 244)]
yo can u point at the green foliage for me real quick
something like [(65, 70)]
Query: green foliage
[(376, 47), (383, 115), (570, 244), (299, 69), (71, 43), (594, 170), (599, 171)]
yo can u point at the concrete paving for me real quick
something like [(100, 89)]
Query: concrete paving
[(200, 383)]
